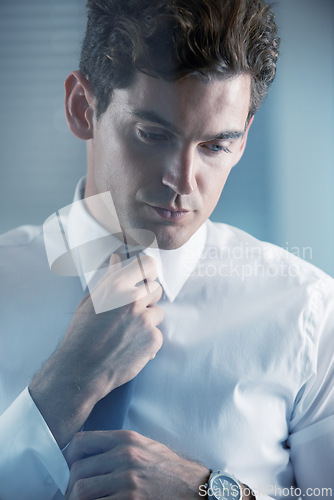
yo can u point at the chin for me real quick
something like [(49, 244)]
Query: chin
[(169, 237), (171, 240)]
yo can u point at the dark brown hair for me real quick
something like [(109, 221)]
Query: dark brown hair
[(173, 38)]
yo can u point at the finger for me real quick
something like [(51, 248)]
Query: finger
[(86, 443), (115, 263), (120, 484), (148, 293), (107, 473), (107, 486), (156, 315), (95, 465), (89, 443), (139, 269), (155, 291), (92, 488)]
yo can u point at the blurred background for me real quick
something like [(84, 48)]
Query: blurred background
[(282, 190)]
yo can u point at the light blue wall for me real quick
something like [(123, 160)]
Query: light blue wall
[(40, 160), (302, 143), (281, 191)]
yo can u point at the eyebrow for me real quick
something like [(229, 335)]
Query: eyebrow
[(153, 117), (229, 135)]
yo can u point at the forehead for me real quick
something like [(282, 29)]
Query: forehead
[(190, 104)]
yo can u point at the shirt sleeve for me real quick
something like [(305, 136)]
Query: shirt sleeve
[(31, 463), (312, 426)]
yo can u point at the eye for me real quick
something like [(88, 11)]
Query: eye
[(215, 148), (150, 137)]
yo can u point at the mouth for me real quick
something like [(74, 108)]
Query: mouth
[(169, 214)]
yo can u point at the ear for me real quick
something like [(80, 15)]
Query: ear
[(79, 107), (243, 141)]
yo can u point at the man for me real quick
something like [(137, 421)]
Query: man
[(230, 350)]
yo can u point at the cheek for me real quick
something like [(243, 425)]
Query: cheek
[(212, 185), (115, 167)]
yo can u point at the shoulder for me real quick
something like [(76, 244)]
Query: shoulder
[(271, 276), (22, 256), (290, 297), (20, 236), (20, 247), (235, 245), (27, 284)]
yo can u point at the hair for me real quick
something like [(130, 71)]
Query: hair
[(171, 39)]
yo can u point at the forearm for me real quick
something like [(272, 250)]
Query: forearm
[(99, 352), (247, 493), (134, 463), (62, 398)]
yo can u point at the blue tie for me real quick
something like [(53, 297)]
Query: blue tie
[(109, 413)]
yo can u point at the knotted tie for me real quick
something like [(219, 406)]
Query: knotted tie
[(110, 412)]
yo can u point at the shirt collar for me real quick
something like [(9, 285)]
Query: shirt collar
[(174, 266)]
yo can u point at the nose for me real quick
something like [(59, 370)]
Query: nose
[(180, 174)]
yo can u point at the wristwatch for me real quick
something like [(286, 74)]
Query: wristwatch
[(223, 486)]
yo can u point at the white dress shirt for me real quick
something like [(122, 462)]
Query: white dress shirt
[(242, 383)]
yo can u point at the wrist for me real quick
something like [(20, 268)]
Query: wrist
[(61, 401), (247, 492), (222, 484)]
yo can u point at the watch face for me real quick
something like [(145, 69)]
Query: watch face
[(223, 487)]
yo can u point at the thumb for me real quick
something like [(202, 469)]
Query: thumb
[(115, 263)]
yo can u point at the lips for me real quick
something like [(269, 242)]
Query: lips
[(169, 214)]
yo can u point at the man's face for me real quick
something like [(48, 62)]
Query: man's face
[(165, 149)]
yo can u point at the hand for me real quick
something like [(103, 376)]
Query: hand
[(116, 344), (100, 351), (125, 465)]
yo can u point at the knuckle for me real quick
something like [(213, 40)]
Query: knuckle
[(148, 260), (154, 286), (158, 340), (79, 489), (136, 304), (77, 440), (157, 286), (133, 495), (149, 265), (137, 295), (130, 455), (136, 307), (131, 480), (75, 470), (155, 291), (152, 336), (146, 322), (160, 314), (132, 437)]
